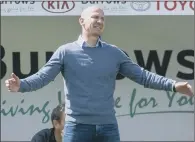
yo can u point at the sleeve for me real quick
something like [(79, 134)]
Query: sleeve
[(46, 74), (141, 76)]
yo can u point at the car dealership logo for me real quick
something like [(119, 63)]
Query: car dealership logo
[(58, 6), (140, 5)]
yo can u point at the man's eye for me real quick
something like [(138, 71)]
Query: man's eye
[(95, 17)]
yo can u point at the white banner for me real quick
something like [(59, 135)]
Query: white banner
[(61, 8), (162, 45)]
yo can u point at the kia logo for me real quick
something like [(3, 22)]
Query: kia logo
[(140, 5), (58, 6)]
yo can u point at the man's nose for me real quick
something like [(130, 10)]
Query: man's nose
[(100, 20)]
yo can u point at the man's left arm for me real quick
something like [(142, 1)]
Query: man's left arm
[(143, 77), (151, 80)]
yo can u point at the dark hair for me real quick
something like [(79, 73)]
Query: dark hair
[(56, 113)]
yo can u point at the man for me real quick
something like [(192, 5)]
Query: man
[(89, 68), (54, 134)]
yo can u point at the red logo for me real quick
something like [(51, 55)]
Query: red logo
[(58, 6), (174, 5)]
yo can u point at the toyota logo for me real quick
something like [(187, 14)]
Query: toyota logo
[(140, 6)]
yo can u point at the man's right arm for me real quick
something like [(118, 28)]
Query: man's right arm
[(46, 74)]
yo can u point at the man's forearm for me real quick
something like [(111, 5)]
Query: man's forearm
[(45, 75), (34, 82), (155, 81)]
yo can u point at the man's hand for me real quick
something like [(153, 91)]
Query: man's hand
[(13, 84), (184, 88)]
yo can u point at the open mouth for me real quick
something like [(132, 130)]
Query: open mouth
[(97, 27)]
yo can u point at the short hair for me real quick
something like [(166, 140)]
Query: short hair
[(57, 112)]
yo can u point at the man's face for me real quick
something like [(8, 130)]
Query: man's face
[(93, 22)]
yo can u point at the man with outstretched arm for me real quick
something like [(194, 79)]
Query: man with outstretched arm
[(89, 68)]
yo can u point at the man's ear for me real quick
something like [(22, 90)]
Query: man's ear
[(81, 21)]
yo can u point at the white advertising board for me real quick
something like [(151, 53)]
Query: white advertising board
[(121, 7), (163, 44)]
